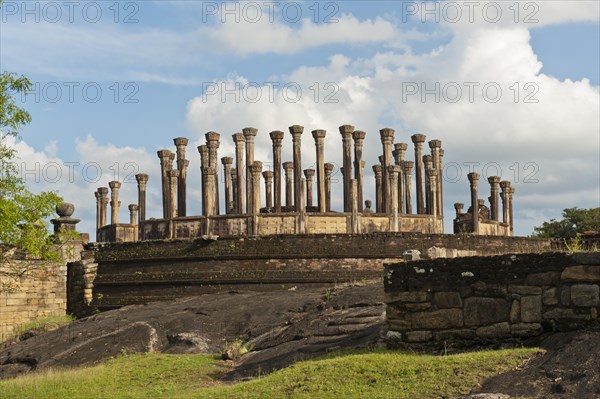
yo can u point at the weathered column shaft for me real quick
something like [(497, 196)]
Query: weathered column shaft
[(268, 176), (249, 135), (473, 180), (393, 171), (354, 209), (436, 148), (319, 136), (387, 140), (114, 201), (418, 140), (428, 166), (165, 166), (408, 168), (346, 132), (173, 179), (239, 141), (432, 177), (289, 187), (309, 173), (133, 211), (296, 132), (399, 154), (204, 163), (212, 142), (103, 204), (208, 197), (277, 138), (511, 191), (98, 211), (377, 169), (505, 186), (358, 136), (234, 190), (256, 170), (142, 180), (494, 184), (227, 162), (182, 166), (328, 174)]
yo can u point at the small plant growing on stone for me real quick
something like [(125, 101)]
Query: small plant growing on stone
[(236, 349), (327, 295), (574, 244)]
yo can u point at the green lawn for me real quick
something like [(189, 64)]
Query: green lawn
[(374, 374)]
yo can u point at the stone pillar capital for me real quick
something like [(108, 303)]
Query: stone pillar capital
[(494, 181), (164, 155), (309, 173), (408, 166), (249, 133), (276, 137), (256, 168), (227, 161), (346, 131), (473, 178), (458, 207), (97, 195), (358, 136), (180, 141), (142, 178), (394, 168), (418, 139), (209, 170), (212, 139), (428, 160), (203, 150), (378, 169), (505, 185), (103, 191), (329, 168), (288, 166), (268, 175), (296, 131), (386, 135), (435, 144), (133, 207), (114, 185), (400, 146), (173, 173), (238, 138), (319, 135)]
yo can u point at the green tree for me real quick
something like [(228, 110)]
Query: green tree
[(24, 230), (575, 220)]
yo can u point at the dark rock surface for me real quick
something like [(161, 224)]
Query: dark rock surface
[(282, 327)]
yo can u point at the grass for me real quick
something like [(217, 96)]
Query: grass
[(373, 374), (44, 324)]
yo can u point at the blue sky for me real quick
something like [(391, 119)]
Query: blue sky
[(157, 64)]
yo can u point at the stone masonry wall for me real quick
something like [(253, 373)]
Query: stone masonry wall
[(41, 292), (495, 297)]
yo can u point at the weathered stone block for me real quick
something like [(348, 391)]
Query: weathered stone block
[(454, 334), (524, 290), (547, 278), (490, 290), (445, 300), (585, 295), (587, 258), (498, 330), (406, 296), (437, 319), (565, 295), (418, 336), (398, 325), (563, 313), (515, 311), (550, 296), (482, 311), (589, 274), (531, 309), (413, 307), (526, 329)]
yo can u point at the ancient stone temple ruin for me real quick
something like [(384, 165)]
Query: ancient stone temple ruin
[(289, 205)]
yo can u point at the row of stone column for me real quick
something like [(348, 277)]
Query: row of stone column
[(506, 195), (102, 201)]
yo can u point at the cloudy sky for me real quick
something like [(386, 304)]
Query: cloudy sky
[(510, 87)]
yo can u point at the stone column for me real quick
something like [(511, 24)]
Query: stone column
[(346, 132), (98, 211), (234, 190), (277, 138), (142, 180), (103, 191), (328, 173), (203, 151), (268, 176), (256, 170), (436, 147), (458, 207), (212, 141), (432, 175), (359, 136), (208, 196), (173, 179), (494, 184), (473, 180), (182, 165), (418, 140), (227, 162), (408, 167), (319, 136), (505, 186), (309, 173), (165, 166), (511, 191), (387, 140), (133, 212), (377, 169), (354, 210), (114, 201), (288, 167), (249, 135), (296, 132), (428, 166), (393, 171), (400, 149), (239, 141)]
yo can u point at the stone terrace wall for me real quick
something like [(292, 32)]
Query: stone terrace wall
[(492, 297), (131, 273), (41, 292)]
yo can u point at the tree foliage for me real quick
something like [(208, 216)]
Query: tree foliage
[(575, 221), (23, 214)]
